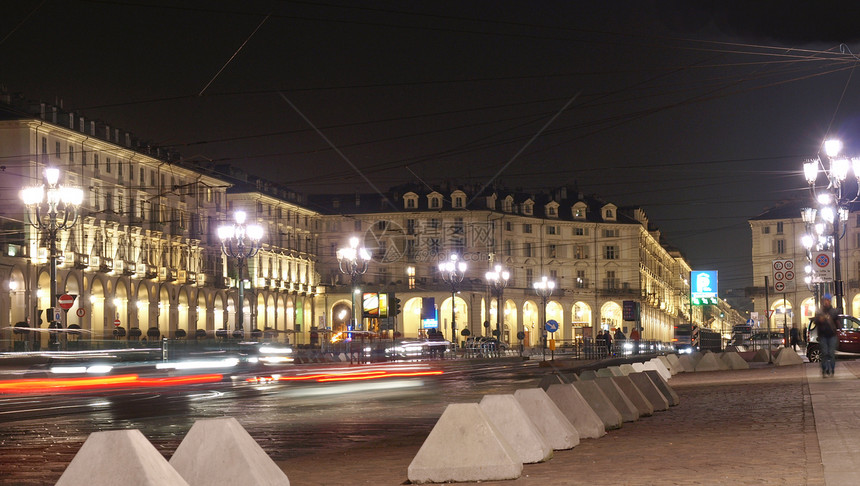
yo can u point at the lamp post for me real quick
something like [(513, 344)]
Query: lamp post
[(544, 288), (497, 279), (832, 208), (240, 241), (352, 261), (453, 271), (50, 210)]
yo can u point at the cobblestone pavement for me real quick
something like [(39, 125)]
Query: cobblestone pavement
[(731, 427)]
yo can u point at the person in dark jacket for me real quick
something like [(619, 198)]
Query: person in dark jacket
[(793, 337), (608, 339), (826, 319)]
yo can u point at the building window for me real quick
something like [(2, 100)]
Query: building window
[(610, 252), (509, 226), (107, 165), (580, 279), (527, 228), (551, 210), (130, 172), (553, 275), (608, 214), (44, 149), (83, 157), (530, 274), (552, 251), (779, 225), (96, 162), (765, 230), (410, 203), (410, 226), (580, 231), (57, 149), (580, 252), (458, 202), (552, 230), (119, 169), (71, 153), (612, 283), (434, 203), (529, 250), (508, 247), (779, 246), (611, 233), (527, 209), (357, 225)]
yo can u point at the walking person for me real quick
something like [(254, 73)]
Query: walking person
[(793, 338), (608, 338), (826, 325)]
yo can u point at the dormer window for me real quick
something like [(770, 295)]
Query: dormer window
[(410, 204), (609, 212), (527, 209), (435, 203), (410, 200), (458, 199), (579, 210), (508, 204), (458, 202), (551, 209)]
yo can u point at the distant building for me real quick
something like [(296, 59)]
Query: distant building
[(598, 254)]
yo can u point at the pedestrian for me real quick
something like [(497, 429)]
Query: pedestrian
[(826, 325), (634, 336), (793, 337), (608, 338)]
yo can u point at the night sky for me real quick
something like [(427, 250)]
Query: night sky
[(700, 115)]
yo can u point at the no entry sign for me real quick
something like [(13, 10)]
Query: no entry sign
[(66, 301)]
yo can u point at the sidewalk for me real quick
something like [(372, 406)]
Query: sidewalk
[(766, 425)]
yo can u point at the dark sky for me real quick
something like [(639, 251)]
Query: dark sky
[(702, 115)]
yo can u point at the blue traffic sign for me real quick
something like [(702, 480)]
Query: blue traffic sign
[(551, 325), (750, 322)]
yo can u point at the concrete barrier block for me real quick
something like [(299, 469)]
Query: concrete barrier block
[(672, 370), (787, 357), (119, 457), (554, 379), (675, 362), (552, 423), (605, 373), (601, 405), (708, 363), (762, 356), (734, 361), (658, 366), (512, 420), (587, 375), (696, 356), (627, 368), (664, 387), (687, 363), (634, 395), (220, 451), (650, 390), (639, 367), (577, 410), (616, 371), (625, 407), (482, 454)]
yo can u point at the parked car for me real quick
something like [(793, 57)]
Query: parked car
[(849, 338)]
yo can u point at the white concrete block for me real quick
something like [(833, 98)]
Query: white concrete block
[(668, 365), (708, 363), (696, 356), (650, 390), (686, 362), (673, 360), (762, 356), (734, 361), (604, 373), (616, 371), (634, 395), (664, 388), (577, 410), (627, 368), (625, 407), (554, 379), (587, 375), (601, 405), (657, 365), (220, 451), (558, 431), (119, 457), (513, 421), (787, 357), (639, 367), (464, 445)]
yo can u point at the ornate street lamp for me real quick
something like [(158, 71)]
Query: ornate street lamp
[(352, 261), (453, 271), (50, 210), (544, 288), (825, 222), (497, 279), (240, 241)]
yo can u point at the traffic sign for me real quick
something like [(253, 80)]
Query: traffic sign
[(116, 323), (80, 312), (66, 301), (783, 275), (551, 325)]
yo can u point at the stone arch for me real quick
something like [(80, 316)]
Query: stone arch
[(509, 322), (581, 320), (461, 313), (555, 312), (183, 308), (782, 314), (341, 313), (163, 321), (532, 322), (610, 315), (412, 317), (142, 306), (97, 309)]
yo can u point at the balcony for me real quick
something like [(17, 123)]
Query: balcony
[(151, 272), (129, 268), (106, 265), (82, 261)]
